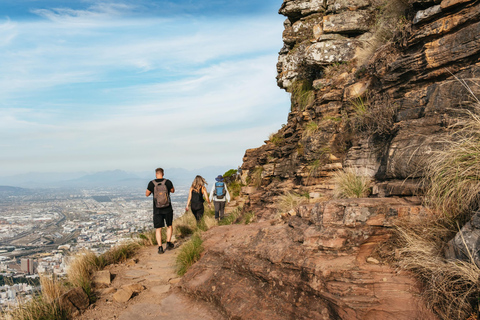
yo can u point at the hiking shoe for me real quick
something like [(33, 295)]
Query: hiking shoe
[(160, 250), (170, 246)]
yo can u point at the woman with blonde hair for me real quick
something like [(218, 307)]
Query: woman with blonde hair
[(196, 197)]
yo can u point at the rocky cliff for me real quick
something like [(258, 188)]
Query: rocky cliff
[(375, 85)]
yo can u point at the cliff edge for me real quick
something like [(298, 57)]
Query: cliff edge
[(375, 86)]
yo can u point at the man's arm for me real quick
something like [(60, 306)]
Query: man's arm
[(172, 190), (147, 193), (211, 193)]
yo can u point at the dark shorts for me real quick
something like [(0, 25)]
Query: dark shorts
[(197, 210), (160, 219)]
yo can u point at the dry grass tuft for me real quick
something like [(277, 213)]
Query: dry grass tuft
[(290, 201), (453, 173), (450, 286), (52, 287), (37, 308), (351, 184), (390, 20), (81, 267), (303, 95)]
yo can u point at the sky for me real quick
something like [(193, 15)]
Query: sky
[(136, 84)]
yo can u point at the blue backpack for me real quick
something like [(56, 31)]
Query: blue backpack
[(220, 190)]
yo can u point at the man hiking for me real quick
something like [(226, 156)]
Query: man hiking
[(162, 207), (220, 196)]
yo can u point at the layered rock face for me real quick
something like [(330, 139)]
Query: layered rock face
[(375, 86)]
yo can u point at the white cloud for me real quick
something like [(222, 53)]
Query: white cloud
[(94, 94)]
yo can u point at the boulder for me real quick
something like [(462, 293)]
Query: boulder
[(102, 278), (123, 295), (466, 243), (342, 5), (134, 287), (74, 301), (347, 22), (295, 9), (426, 14), (330, 51)]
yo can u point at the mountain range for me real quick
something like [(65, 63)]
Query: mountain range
[(116, 178)]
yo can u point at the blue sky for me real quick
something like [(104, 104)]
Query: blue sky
[(133, 85)]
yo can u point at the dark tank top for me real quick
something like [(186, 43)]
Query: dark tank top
[(197, 196)]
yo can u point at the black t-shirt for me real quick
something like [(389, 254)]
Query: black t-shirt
[(151, 188)]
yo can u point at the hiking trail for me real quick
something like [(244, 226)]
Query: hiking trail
[(158, 300)]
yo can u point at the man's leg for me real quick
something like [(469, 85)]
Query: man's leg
[(158, 233), (169, 233), (222, 209), (216, 204)]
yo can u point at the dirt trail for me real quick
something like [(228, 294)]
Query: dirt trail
[(159, 300)]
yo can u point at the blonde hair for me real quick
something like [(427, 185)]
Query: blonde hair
[(198, 183)]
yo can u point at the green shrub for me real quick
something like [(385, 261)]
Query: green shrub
[(229, 173), (189, 253), (351, 184)]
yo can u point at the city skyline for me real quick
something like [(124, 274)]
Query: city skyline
[(93, 86)]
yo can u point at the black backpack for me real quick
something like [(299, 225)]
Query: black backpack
[(160, 192)]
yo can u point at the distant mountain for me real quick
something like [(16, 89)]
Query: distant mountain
[(113, 178), (13, 191)]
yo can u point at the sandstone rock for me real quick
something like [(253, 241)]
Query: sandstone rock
[(466, 243), (74, 301), (102, 278), (288, 65), (302, 29), (372, 260), (248, 190), (453, 47), (341, 5), (298, 8), (108, 291), (134, 287), (123, 295), (263, 261), (347, 22), (450, 3), (355, 90), (174, 280), (330, 51), (423, 15)]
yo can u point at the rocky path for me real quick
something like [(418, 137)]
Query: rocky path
[(152, 279)]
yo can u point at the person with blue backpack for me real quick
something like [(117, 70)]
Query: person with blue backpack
[(220, 196)]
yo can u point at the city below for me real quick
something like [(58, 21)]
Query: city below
[(40, 229)]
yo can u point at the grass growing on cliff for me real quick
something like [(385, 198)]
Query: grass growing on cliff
[(372, 119), (453, 174), (256, 177), (450, 286), (235, 187), (189, 253), (310, 129), (290, 200), (303, 95), (350, 183), (276, 139), (390, 20)]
